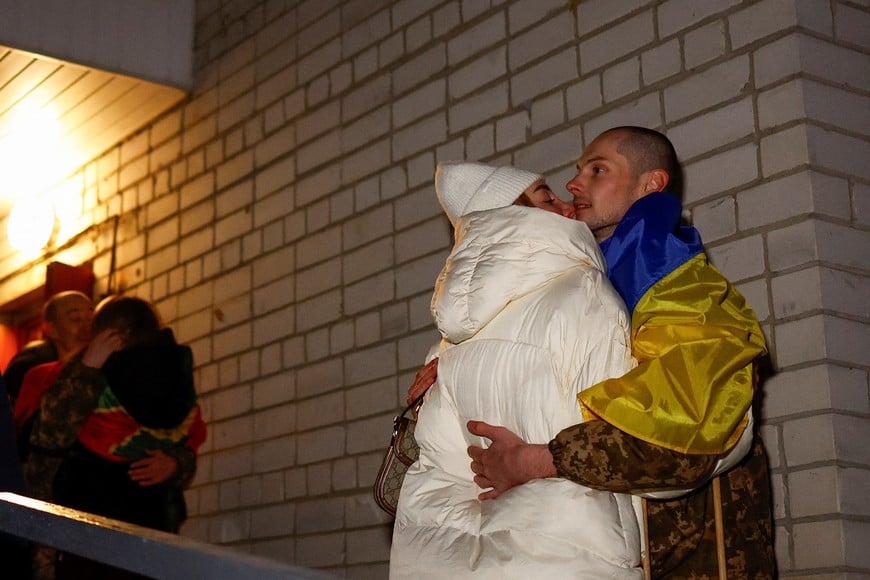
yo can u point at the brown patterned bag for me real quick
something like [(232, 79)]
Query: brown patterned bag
[(402, 452)]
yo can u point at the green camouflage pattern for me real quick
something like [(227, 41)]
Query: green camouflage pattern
[(63, 410), (682, 536)]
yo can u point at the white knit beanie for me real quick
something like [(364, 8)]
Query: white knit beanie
[(463, 187)]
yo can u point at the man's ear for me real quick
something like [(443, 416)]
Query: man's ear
[(655, 180), (49, 331)]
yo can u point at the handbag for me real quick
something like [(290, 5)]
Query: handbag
[(402, 452)]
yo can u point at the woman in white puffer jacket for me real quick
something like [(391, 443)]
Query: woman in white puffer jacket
[(528, 319)]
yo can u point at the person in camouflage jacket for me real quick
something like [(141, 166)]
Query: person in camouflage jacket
[(667, 424)]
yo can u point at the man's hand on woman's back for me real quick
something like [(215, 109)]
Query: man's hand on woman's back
[(154, 469), (508, 461)]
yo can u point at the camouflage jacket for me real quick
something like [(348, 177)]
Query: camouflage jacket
[(63, 410), (681, 531)]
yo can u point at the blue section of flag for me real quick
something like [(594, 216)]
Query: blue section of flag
[(647, 245)]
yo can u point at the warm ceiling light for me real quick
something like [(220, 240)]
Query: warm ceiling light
[(30, 225), (33, 153)]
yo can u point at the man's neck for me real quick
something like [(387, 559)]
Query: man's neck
[(66, 354), (604, 234)]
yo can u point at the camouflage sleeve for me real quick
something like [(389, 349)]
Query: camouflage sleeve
[(39, 472), (185, 458), (598, 455), (63, 410), (65, 406)]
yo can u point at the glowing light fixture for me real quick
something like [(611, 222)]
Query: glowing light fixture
[(66, 200), (30, 225), (33, 158), (33, 154)]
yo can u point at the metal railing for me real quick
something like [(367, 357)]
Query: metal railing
[(134, 548)]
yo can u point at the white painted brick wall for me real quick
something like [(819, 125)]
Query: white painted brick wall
[(678, 15), (740, 259), (711, 176), (621, 79), (705, 89), (835, 63), (548, 112), (814, 541), (756, 293), (705, 43), (797, 391), (322, 444), (418, 276), (809, 439), (717, 129), (511, 131), (616, 41), (544, 76), (853, 159), (273, 390), (814, 492), (284, 221), (715, 220), (792, 196), (762, 19), (644, 111)]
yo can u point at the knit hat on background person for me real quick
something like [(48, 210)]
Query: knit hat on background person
[(464, 187)]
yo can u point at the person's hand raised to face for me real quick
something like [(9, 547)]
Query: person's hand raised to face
[(102, 346)]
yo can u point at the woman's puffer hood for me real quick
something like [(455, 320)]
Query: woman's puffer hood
[(515, 250)]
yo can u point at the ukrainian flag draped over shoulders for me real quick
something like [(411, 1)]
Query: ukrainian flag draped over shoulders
[(694, 337)]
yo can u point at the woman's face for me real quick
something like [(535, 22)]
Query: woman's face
[(540, 195)]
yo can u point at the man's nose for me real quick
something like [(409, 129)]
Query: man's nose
[(574, 186)]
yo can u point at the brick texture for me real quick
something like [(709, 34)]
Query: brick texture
[(283, 219)]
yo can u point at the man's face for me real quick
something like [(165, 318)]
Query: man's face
[(540, 195), (605, 186), (71, 330)]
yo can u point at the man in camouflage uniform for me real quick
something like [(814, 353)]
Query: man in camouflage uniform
[(666, 424), (66, 328), (66, 320)]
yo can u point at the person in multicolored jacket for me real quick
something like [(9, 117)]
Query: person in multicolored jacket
[(684, 413), (121, 424)]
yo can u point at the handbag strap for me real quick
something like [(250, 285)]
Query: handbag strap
[(416, 403), (401, 425)]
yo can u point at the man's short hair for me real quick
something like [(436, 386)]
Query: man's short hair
[(49, 311), (646, 150)]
